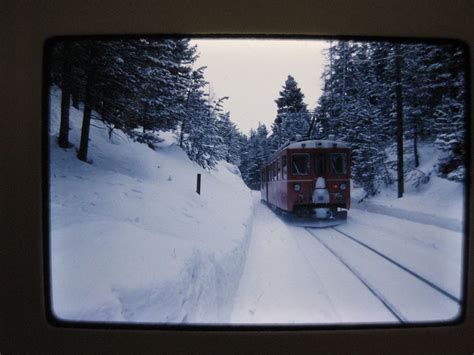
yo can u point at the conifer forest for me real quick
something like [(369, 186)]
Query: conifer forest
[(383, 98)]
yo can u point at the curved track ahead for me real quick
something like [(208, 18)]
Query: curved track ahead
[(388, 300)]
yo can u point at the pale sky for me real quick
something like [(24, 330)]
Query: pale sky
[(252, 72)]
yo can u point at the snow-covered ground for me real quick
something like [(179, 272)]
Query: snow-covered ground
[(130, 238), (292, 277), (131, 241), (439, 201)]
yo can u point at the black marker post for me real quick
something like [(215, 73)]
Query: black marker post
[(198, 184)]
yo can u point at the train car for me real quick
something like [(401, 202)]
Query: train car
[(309, 178)]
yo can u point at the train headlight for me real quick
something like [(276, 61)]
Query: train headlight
[(297, 187), (342, 186)]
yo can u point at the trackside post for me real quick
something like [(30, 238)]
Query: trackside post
[(198, 184)]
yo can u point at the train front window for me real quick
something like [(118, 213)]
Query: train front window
[(319, 164), (300, 164), (338, 163)]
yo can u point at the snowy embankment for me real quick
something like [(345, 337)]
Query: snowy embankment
[(130, 238), (439, 202)]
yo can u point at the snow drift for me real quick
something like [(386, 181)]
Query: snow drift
[(435, 201), (131, 241)]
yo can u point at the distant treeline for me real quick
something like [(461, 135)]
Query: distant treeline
[(372, 91), (142, 86)]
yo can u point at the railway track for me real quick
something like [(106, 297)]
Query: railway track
[(394, 306)]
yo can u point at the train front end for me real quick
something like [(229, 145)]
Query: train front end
[(319, 180)]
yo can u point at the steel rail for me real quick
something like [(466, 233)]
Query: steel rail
[(390, 307), (404, 268)]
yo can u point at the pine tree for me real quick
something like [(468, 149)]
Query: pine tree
[(137, 85), (363, 92), (90, 99), (67, 73), (292, 114), (254, 155), (230, 138), (349, 109), (63, 139), (199, 135)]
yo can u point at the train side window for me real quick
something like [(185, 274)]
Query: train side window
[(278, 169), (319, 164), (284, 168), (338, 163), (300, 164)]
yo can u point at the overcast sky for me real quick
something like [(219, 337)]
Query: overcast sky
[(252, 72)]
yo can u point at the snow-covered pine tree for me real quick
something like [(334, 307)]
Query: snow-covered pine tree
[(199, 135), (244, 157), (363, 121), (117, 84), (105, 83), (359, 101), (263, 145), (348, 109), (254, 155), (163, 69), (448, 86), (292, 114), (325, 104), (230, 138)]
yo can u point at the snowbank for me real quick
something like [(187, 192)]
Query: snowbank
[(439, 201), (130, 238)]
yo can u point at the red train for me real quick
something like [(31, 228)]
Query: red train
[(309, 178)]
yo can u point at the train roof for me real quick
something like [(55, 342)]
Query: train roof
[(310, 143), (316, 143)]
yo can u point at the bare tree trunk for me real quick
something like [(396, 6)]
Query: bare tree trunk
[(181, 135), (86, 123), (415, 144), (330, 62), (63, 139), (399, 104), (144, 117), (75, 98), (86, 120), (344, 76)]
